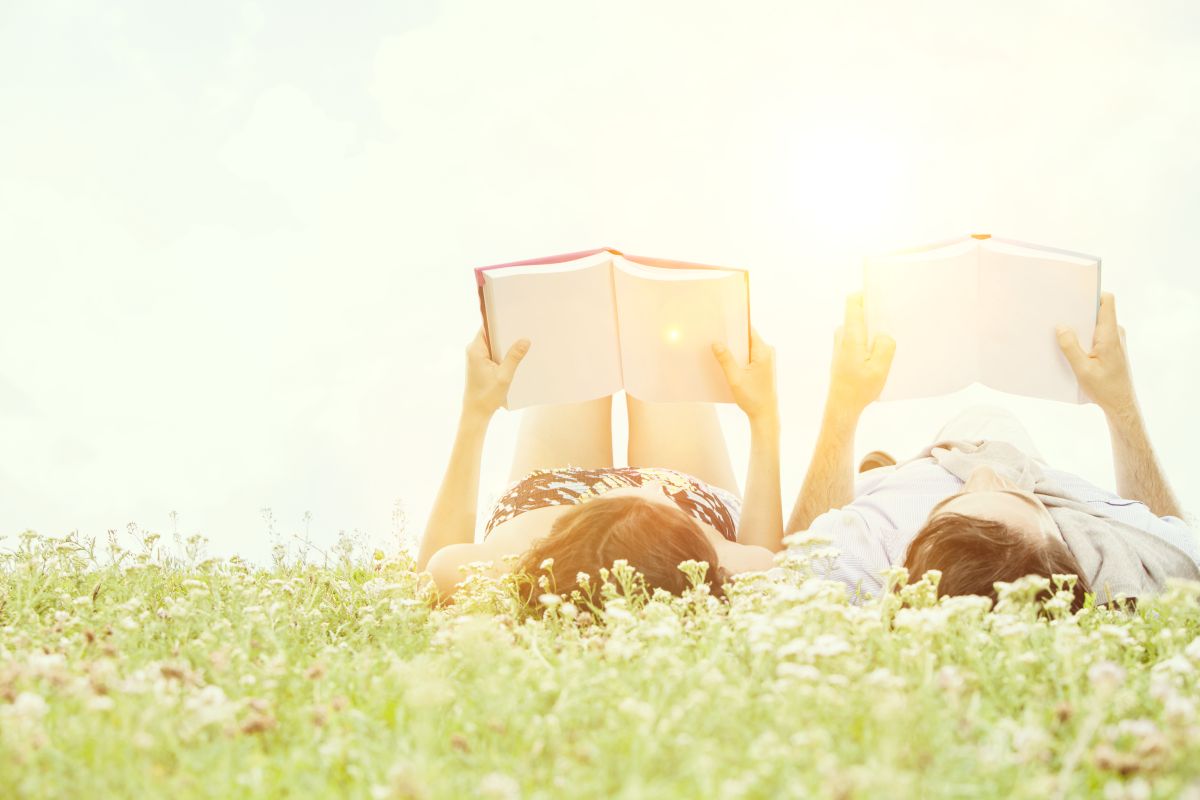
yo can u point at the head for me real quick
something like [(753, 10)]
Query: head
[(640, 525), (991, 531)]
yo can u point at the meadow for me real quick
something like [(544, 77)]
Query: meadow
[(142, 673)]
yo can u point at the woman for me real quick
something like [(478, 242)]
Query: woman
[(678, 500)]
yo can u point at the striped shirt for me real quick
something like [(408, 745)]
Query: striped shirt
[(891, 505)]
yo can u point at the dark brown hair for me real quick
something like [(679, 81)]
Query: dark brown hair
[(653, 538), (974, 553)]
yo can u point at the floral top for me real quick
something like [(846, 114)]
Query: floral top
[(568, 486)]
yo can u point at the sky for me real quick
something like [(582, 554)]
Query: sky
[(236, 238)]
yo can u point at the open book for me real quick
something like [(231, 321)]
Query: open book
[(600, 321), (981, 310)]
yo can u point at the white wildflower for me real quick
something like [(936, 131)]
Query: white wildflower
[(498, 786), (100, 702), (1106, 676), (800, 672), (29, 706), (827, 646), (46, 664)]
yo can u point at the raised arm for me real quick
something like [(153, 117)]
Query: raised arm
[(857, 377), (452, 520), (1107, 380), (753, 388)]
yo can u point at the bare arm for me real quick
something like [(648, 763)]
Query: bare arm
[(829, 482), (1105, 376), (452, 520), (753, 388), (1139, 475), (857, 376), (762, 508)]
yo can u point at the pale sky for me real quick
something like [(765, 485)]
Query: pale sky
[(236, 238)]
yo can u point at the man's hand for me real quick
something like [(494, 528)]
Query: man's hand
[(1104, 372), (1105, 377), (859, 370), (753, 385), (487, 381)]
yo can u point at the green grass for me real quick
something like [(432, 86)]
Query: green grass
[(179, 678)]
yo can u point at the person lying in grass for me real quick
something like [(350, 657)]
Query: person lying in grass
[(981, 505), (568, 504)]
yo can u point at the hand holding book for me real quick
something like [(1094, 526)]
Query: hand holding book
[(1103, 371), (487, 383), (752, 385), (860, 365)]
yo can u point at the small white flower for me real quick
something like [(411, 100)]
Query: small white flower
[(43, 664), (100, 702), (1106, 676), (29, 706), (827, 646), (498, 786)]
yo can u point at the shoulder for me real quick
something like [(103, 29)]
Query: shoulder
[(736, 558), (445, 565)]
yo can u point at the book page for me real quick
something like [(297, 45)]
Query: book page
[(669, 319), (568, 313), (928, 301), (1026, 294)]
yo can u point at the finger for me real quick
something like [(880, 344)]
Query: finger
[(725, 359), (883, 347), (1068, 342), (855, 322), (1107, 317), (839, 336), (1121, 329), (508, 367)]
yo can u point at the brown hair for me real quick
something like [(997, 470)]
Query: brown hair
[(653, 538), (974, 553)]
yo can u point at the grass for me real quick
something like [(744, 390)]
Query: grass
[(141, 675)]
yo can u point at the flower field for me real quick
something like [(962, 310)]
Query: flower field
[(139, 675)]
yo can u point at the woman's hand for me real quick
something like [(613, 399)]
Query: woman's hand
[(487, 381), (753, 385), (860, 369), (1104, 372)]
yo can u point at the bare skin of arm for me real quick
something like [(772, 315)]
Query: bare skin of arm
[(753, 388), (859, 370), (1105, 376), (451, 526)]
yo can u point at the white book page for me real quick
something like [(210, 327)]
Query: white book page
[(569, 316), (668, 323), (928, 302), (1026, 294)]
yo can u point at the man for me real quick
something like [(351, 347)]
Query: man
[(980, 505)]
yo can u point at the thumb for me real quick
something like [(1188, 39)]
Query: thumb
[(508, 367), (1068, 342), (725, 359)]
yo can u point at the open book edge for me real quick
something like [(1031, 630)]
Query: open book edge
[(653, 269), (974, 248)]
